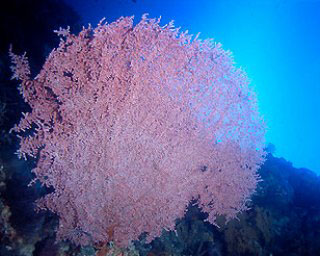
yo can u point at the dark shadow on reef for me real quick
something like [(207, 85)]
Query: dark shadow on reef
[(284, 219), (28, 26)]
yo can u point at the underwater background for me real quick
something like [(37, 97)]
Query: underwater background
[(276, 42)]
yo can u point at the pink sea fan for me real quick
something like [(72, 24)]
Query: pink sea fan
[(132, 123)]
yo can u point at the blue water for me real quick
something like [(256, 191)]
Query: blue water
[(276, 42)]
